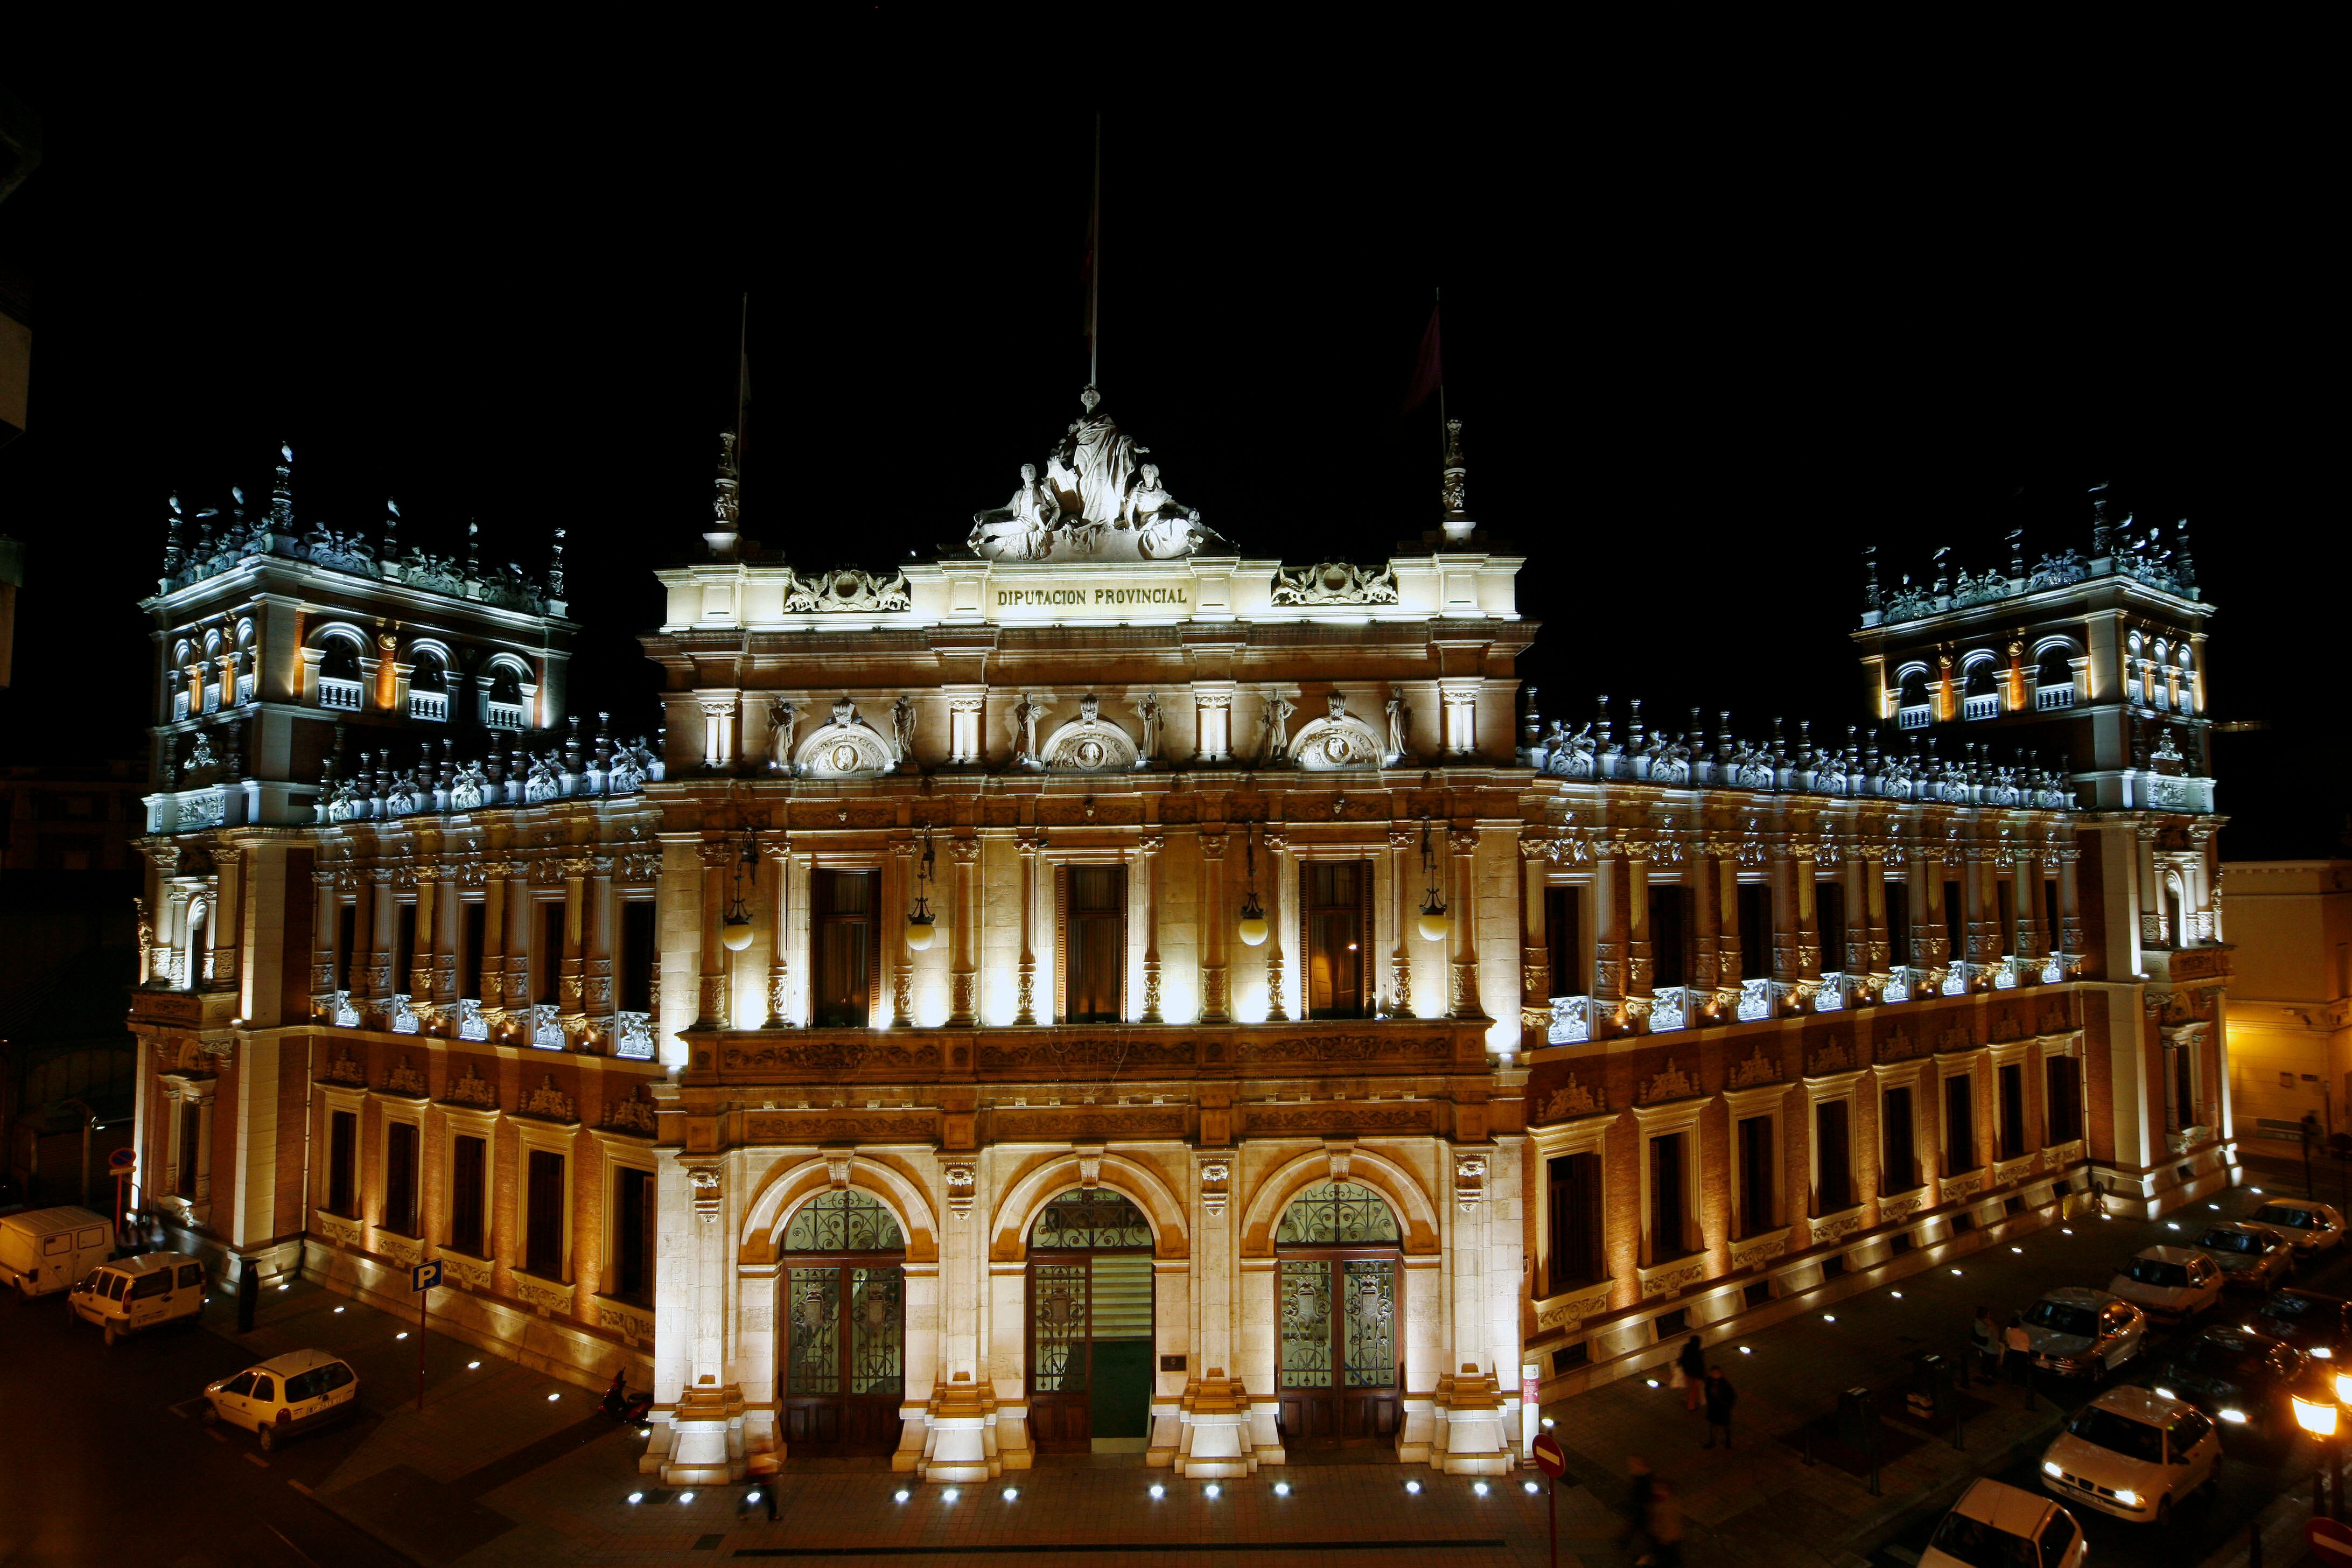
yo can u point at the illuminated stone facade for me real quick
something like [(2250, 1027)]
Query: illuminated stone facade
[(1106, 994)]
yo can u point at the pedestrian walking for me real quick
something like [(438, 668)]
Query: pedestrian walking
[(1720, 1397), (1984, 1337), (2020, 1349), (1690, 1371), (1665, 1528), (1641, 1490)]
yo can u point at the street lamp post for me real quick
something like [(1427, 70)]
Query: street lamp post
[(2319, 1417)]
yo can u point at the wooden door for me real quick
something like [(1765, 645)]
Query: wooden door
[(1340, 1384)]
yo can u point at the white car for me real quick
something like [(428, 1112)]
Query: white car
[(133, 1295), (2133, 1454), (286, 1394), (1997, 1526), (2172, 1282), (2311, 1227), (2077, 1332)]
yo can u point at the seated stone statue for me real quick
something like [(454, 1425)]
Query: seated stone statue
[(1021, 528), (1164, 527)]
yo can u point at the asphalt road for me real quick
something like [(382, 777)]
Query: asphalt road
[(2254, 1470), (104, 1457)]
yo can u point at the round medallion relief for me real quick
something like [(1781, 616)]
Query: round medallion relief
[(844, 758), (1090, 753)]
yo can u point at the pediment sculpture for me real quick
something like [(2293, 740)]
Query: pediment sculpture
[(1335, 582), (844, 747), (1097, 500), (844, 588), (1089, 743), (1338, 740)]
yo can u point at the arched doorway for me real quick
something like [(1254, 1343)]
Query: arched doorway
[(1338, 1284), (844, 1301), (1090, 1325)]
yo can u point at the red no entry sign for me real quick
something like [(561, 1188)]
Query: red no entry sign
[(1552, 1459), (2331, 1541)]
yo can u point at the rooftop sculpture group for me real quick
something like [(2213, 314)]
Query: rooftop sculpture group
[(1097, 500)]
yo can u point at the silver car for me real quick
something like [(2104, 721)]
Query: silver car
[(2250, 1255), (2079, 1333)]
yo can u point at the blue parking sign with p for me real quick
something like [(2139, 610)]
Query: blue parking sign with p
[(424, 1276)]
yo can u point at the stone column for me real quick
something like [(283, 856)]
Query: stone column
[(1730, 965), (1872, 869), (448, 929), (1026, 998), (1608, 930), (2151, 887), (1805, 868), (965, 1010), (1928, 938), (1145, 849), (1639, 974), (490, 983), (2025, 897), (325, 908), (901, 962), (1973, 895), (364, 955), (518, 940), (418, 980), (2070, 903), (1464, 842), (1535, 953), (1784, 912), (1214, 724), (1216, 992), (1707, 922), (778, 854), (570, 990), (1276, 848), (1400, 844), (597, 999), (226, 922), (710, 1000)]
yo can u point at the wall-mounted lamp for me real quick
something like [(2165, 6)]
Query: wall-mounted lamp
[(735, 930), (1434, 923), (1254, 927), (920, 922)]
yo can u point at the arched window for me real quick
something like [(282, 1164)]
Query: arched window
[(1336, 1214), (505, 685), (431, 674), (341, 661), (1913, 692), (2054, 668), (844, 1301), (1982, 680), (1090, 1217)]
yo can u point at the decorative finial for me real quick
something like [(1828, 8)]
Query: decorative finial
[(391, 528), (1872, 597), (726, 505), (473, 550), (1455, 490), (2017, 552), (555, 568), (2103, 534), (175, 531), (1089, 398), (281, 492), (1943, 573), (2183, 570)]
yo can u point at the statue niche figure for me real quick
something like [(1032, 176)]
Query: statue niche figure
[(1022, 527)]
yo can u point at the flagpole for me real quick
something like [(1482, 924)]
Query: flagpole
[(1436, 307), (1094, 261)]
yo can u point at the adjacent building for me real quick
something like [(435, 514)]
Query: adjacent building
[(1106, 992)]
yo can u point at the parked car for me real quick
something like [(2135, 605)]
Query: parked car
[(2079, 1333), (2319, 1326), (1997, 1526), (46, 1250), (2311, 1227), (285, 1395), (2239, 1377), (2169, 1283), (2133, 1454), (136, 1294), (2248, 1254)]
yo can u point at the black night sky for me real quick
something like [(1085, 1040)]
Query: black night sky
[(1701, 360)]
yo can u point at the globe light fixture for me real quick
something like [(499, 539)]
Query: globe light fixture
[(921, 925), (735, 929), (2316, 1416), (1254, 928), (1434, 923)]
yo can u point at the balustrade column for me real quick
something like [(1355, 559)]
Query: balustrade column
[(1466, 1004), (778, 855), (1401, 843), (710, 1001), (1276, 848), (1535, 949), (965, 979), (1025, 999), (1145, 850), (225, 924)]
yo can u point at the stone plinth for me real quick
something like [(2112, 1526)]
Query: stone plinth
[(962, 1418), (1217, 1440), (1470, 1439), (705, 1436)]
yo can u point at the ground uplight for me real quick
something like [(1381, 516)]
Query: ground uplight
[(1282, 1488), (473, 1366), (2018, 1250), (1158, 1491), (636, 1497), (1746, 1351), (1212, 1490), (338, 1311), (1010, 1493), (949, 1495), (553, 1397), (401, 1335), (1479, 1488), (685, 1496), (1533, 1489), (901, 1495), (1412, 1489)]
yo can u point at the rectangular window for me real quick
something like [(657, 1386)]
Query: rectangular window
[(342, 1162), (1758, 1212), (1669, 1210), (633, 1237), (2013, 1111), (1575, 1214), (2004, 894), (841, 975), (347, 925), (1829, 919), (1955, 926), (400, 1177), (543, 1219), (2064, 1102), (549, 980), (469, 1163), (637, 948), (1336, 896), (1095, 956), (2050, 933), (473, 927), (1898, 924), (1898, 1163), (1959, 1124), (191, 1131), (1755, 931), (404, 947), (1669, 936), (1833, 1157), (1562, 935), (2184, 1088)]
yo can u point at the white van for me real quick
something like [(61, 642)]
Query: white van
[(285, 1395), (139, 1293), (43, 1251)]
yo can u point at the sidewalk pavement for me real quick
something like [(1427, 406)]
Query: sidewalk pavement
[(1761, 1503), (494, 1472)]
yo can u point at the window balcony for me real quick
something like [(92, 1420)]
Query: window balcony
[(1986, 706), (2049, 698), (1571, 1021), (341, 695), (502, 715), (1915, 717), (429, 705)]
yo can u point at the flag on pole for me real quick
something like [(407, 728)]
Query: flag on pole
[(1428, 369)]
